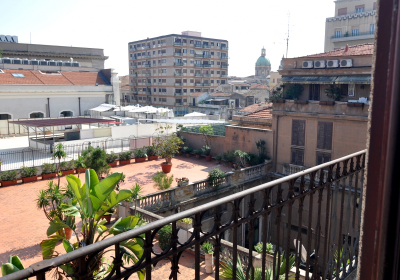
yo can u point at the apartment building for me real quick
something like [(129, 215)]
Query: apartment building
[(353, 24), (166, 70)]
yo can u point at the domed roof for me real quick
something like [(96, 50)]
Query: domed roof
[(262, 61)]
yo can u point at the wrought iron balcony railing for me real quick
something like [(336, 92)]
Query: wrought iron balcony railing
[(328, 207), (178, 74), (198, 74)]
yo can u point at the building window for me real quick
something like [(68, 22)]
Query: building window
[(18, 75), (36, 115), (192, 51), (372, 28), (5, 116), (314, 91), (351, 90), (360, 9), (344, 89), (297, 157), (322, 158), (324, 137), (342, 12), (338, 33), (354, 32), (191, 90), (298, 132)]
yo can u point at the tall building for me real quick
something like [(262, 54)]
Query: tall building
[(263, 65), (166, 70), (353, 24)]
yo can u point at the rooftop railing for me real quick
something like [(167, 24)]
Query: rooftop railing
[(328, 207)]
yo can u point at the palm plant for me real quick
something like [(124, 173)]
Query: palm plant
[(137, 193), (92, 200), (14, 264), (80, 164), (59, 153)]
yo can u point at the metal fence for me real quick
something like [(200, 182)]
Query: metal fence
[(31, 157), (218, 129), (330, 207)]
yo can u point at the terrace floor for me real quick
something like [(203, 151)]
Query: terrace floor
[(23, 226)]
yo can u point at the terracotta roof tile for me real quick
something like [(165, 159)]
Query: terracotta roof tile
[(37, 78), (365, 49), (197, 94), (256, 107), (263, 114), (218, 94), (259, 86)]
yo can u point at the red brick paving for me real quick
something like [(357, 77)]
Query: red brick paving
[(23, 226)]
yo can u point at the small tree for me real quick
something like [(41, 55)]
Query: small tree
[(167, 145), (59, 153), (137, 193), (162, 181), (95, 158), (206, 130)]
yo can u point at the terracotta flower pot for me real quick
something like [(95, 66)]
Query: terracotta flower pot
[(187, 155), (124, 162), (49, 176), (80, 170), (166, 167), (68, 172), (197, 156), (153, 158), (8, 183), (113, 164), (208, 158), (29, 179), (140, 159), (108, 218)]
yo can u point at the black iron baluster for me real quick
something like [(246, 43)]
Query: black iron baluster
[(41, 276), (235, 237), (217, 247), (197, 228), (250, 268), (299, 241), (327, 216), (147, 250), (289, 223), (277, 262), (175, 258), (340, 234), (117, 260), (311, 190)]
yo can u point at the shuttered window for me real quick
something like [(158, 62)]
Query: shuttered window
[(298, 132), (322, 158), (297, 157), (314, 91), (324, 140)]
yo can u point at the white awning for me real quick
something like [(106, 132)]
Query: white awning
[(183, 121), (199, 52), (103, 108), (195, 114)]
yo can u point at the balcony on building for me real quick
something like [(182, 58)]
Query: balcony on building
[(198, 55), (206, 65), (176, 53), (178, 63), (224, 65), (198, 45), (224, 47), (351, 36), (178, 43), (147, 64), (146, 56), (178, 84), (198, 65), (206, 56), (147, 74), (198, 74), (176, 73), (198, 84)]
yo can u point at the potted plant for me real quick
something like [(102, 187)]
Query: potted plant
[(107, 216), (28, 174), (111, 159), (182, 181), (8, 178), (215, 177), (185, 223), (276, 97), (101, 197), (197, 153), (229, 157), (206, 152), (167, 147), (67, 167), (50, 200), (14, 264), (58, 154), (218, 158), (80, 166), (162, 181), (125, 158), (187, 151), (164, 237), (140, 155), (241, 157), (95, 158), (328, 103), (294, 91), (208, 248), (269, 249), (49, 171), (151, 152), (137, 194)]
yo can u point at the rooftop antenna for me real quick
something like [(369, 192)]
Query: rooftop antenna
[(30, 38), (287, 39)]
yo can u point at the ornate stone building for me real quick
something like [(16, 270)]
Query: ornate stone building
[(263, 65)]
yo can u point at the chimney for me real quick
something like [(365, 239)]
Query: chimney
[(346, 49)]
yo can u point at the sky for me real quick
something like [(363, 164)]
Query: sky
[(111, 25)]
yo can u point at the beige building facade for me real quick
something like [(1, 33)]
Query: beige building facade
[(353, 24), (164, 71)]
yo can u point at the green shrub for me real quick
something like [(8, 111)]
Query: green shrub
[(48, 168), (294, 91), (215, 177), (110, 158), (164, 237), (28, 171), (187, 150), (67, 165), (269, 248), (9, 175), (229, 156), (186, 221), (218, 157), (162, 181), (206, 150), (207, 247), (151, 151), (95, 158), (125, 156), (196, 152), (140, 153)]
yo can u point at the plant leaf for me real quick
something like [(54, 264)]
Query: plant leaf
[(67, 246), (15, 260)]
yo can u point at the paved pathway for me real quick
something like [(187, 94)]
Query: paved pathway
[(23, 226)]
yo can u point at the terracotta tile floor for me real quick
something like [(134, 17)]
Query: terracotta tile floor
[(23, 226)]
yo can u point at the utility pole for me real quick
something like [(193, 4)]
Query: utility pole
[(287, 39)]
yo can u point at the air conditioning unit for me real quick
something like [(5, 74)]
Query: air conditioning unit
[(332, 63), (307, 64), (346, 63), (319, 64)]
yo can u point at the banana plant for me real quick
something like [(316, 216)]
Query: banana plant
[(14, 264), (91, 201)]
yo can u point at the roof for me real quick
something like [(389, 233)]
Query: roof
[(365, 49), (197, 94), (31, 77), (58, 122), (263, 114), (259, 86), (216, 94), (262, 61), (256, 107)]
